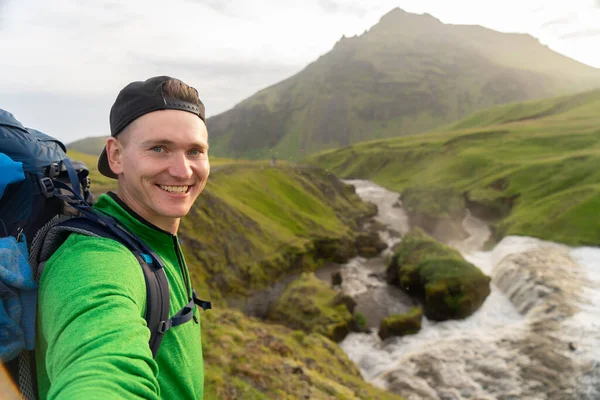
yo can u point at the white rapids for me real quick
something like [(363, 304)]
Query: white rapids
[(537, 336)]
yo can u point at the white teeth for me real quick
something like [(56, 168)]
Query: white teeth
[(175, 189)]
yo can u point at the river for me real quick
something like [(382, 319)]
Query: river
[(537, 335)]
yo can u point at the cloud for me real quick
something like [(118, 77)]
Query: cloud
[(83, 18), (221, 83), (339, 7), (559, 21), (3, 7), (211, 69), (71, 115), (233, 9), (586, 33)]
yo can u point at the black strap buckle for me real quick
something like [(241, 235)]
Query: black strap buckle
[(47, 187), (164, 326), (205, 305), (53, 170)]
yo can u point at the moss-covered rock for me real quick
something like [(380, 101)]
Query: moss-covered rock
[(359, 323), (401, 324), (448, 286), (311, 305), (369, 244), (338, 250), (346, 300), (247, 359)]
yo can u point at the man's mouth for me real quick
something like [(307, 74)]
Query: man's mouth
[(174, 189)]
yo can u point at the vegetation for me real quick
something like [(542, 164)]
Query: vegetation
[(249, 359), (254, 225), (311, 305), (448, 286), (534, 167), (90, 145), (98, 180), (408, 74), (402, 324)]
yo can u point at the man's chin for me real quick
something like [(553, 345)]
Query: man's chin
[(180, 213)]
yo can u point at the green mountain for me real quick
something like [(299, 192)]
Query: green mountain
[(408, 74), (534, 166), (90, 145)]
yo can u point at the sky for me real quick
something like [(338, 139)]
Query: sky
[(62, 62)]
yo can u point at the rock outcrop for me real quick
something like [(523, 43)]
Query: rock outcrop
[(448, 286)]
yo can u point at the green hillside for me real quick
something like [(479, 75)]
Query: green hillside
[(407, 74), (539, 159), (246, 359), (98, 180), (253, 225), (89, 145)]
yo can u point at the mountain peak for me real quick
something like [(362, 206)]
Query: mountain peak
[(398, 15), (403, 23)]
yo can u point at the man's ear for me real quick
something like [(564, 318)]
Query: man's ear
[(114, 151)]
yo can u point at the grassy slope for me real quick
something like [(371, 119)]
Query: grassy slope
[(248, 359), (548, 153), (252, 222), (89, 145), (98, 180), (311, 305)]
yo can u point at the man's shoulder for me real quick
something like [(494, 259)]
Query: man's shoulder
[(81, 247), (86, 259)]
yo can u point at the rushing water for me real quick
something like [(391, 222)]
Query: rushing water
[(537, 335)]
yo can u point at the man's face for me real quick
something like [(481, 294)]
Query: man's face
[(162, 163)]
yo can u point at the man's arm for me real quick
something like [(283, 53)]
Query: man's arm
[(91, 302)]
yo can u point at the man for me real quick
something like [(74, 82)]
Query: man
[(92, 335)]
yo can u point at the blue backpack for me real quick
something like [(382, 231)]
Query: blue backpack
[(44, 197)]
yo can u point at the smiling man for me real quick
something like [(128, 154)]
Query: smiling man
[(93, 339)]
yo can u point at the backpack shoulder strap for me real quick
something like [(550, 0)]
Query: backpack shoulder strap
[(157, 285)]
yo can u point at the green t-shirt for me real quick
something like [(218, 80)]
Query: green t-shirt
[(92, 336)]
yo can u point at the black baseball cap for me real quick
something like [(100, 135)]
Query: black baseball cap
[(139, 98)]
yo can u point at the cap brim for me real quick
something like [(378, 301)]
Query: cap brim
[(103, 166)]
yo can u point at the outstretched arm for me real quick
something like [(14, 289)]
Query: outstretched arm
[(92, 333)]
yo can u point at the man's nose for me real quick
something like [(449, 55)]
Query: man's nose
[(180, 167)]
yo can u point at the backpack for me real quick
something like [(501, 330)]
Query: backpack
[(44, 197)]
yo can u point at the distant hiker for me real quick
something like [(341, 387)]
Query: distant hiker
[(93, 335)]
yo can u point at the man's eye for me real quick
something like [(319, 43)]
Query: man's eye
[(196, 152), (156, 149)]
